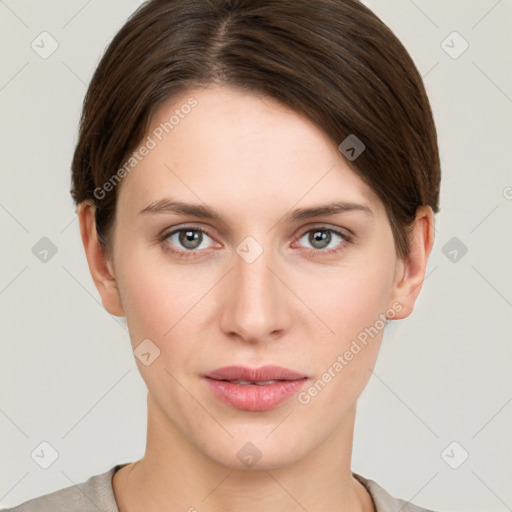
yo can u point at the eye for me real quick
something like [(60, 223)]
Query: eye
[(324, 240), (188, 239)]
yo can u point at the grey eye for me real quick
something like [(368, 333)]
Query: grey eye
[(188, 238), (321, 238)]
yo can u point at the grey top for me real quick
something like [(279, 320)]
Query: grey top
[(97, 495)]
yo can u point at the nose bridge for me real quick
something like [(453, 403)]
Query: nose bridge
[(254, 307)]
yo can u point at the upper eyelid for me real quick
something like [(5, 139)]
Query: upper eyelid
[(325, 227)]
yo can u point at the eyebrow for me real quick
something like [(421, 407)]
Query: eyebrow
[(205, 212)]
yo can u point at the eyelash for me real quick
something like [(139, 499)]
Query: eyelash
[(310, 252)]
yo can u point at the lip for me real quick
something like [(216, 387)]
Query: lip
[(254, 397)]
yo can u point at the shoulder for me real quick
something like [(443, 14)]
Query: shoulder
[(384, 502), (90, 496)]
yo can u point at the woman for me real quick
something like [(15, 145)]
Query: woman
[(256, 184)]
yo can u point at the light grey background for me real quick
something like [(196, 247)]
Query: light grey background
[(68, 376)]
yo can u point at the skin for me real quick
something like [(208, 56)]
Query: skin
[(252, 160)]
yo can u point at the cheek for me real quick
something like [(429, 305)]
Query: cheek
[(159, 306), (147, 309), (163, 302), (351, 299), (352, 303)]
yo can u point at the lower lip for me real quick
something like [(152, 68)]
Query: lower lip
[(252, 397)]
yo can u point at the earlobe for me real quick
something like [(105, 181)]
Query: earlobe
[(410, 272), (100, 266)]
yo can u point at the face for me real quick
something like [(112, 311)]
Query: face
[(263, 281)]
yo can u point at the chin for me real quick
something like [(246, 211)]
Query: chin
[(255, 451)]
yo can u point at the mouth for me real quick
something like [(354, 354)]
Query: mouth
[(254, 389), (257, 375), (252, 382)]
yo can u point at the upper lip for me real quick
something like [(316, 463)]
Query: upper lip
[(261, 374)]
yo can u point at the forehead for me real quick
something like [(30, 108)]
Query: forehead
[(242, 148)]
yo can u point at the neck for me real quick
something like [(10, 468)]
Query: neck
[(174, 474)]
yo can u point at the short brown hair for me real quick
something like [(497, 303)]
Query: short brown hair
[(332, 60)]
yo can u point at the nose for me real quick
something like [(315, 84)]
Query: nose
[(255, 302)]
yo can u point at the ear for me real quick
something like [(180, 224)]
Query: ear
[(100, 266), (410, 271)]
